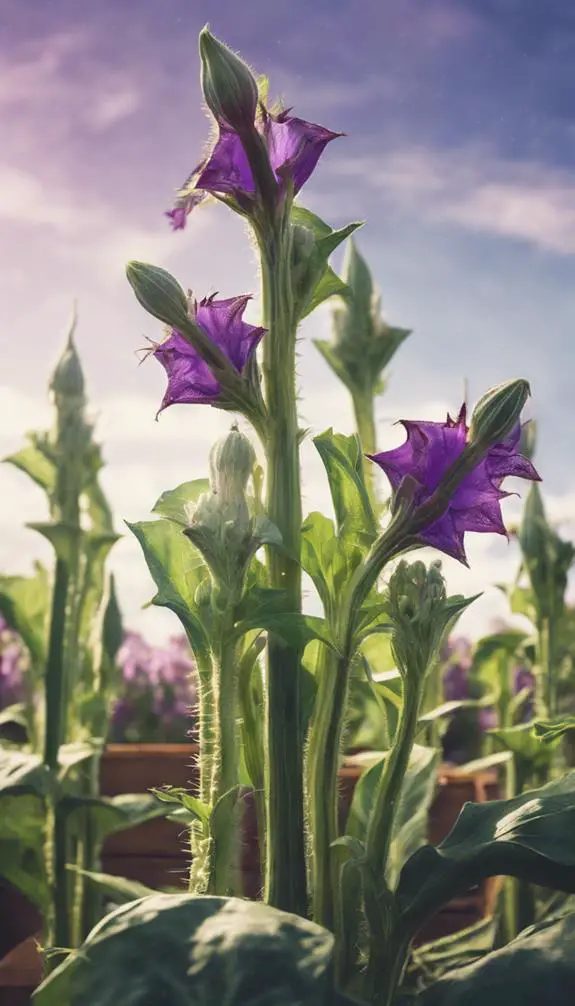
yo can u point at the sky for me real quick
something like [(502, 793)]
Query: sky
[(459, 154)]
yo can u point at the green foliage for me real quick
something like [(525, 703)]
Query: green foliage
[(538, 966), (182, 949), (528, 837)]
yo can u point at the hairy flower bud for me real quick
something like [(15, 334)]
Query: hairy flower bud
[(231, 463), (159, 293), (229, 87), (421, 614), (498, 412)]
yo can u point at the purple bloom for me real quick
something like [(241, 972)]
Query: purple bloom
[(157, 696), (430, 449), (13, 665), (190, 379), (294, 147)]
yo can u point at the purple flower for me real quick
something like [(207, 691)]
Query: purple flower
[(13, 665), (430, 449), (294, 147), (190, 379), (157, 696)]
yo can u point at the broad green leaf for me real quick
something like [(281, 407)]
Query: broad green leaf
[(180, 949), (537, 967), (343, 461), (177, 571), (410, 824), (452, 707), (25, 604), (330, 285), (36, 465), (528, 837), (329, 561), (178, 504), (64, 538), (70, 756)]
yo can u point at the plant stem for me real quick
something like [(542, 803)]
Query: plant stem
[(322, 761), (55, 668), (285, 881), (225, 760), (380, 909), (364, 410), (198, 835)]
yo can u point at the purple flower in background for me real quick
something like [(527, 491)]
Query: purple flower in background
[(190, 379), (430, 449), (157, 696), (294, 147), (13, 666)]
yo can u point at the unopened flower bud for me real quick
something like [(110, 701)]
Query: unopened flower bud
[(229, 87), (231, 463), (498, 412), (420, 613), (159, 293), (68, 380)]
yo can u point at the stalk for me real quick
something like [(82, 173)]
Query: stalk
[(383, 974), (285, 880), (364, 411), (199, 840), (225, 761), (323, 758)]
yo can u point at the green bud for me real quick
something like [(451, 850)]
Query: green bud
[(232, 459), (230, 89), (527, 442), (421, 614), (498, 412), (68, 380), (159, 293)]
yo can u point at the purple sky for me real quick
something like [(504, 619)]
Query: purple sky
[(460, 155)]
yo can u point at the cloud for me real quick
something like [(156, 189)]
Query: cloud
[(472, 187)]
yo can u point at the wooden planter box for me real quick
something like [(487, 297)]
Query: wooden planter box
[(155, 853)]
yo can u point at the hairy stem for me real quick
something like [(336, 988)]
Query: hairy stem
[(285, 881)]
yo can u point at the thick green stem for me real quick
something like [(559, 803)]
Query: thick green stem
[(199, 838), (55, 668), (323, 759), (363, 407), (225, 761), (285, 881), (380, 909)]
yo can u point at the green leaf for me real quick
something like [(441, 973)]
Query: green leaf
[(180, 949), (313, 241), (454, 706), (111, 814), (333, 359), (119, 890), (537, 967), (343, 461), (24, 785), (294, 628), (64, 538), (549, 731), (410, 825), (36, 465), (177, 571), (178, 504), (524, 745), (528, 837), (330, 285), (70, 756), (25, 604), (194, 808), (456, 950)]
